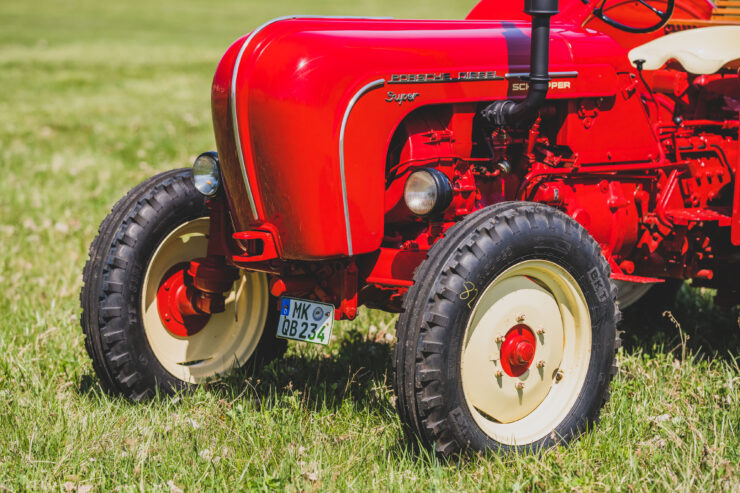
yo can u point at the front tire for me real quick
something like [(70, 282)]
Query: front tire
[(508, 338), (155, 230)]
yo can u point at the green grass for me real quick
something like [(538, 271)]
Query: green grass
[(97, 96)]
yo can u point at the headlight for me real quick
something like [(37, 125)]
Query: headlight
[(427, 191), (206, 175)]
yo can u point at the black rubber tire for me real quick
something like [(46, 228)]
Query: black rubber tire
[(430, 331), (112, 278)]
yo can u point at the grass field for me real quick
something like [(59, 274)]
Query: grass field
[(97, 96)]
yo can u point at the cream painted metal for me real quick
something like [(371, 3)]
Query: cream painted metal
[(699, 51), (521, 410), (228, 339), (629, 293)]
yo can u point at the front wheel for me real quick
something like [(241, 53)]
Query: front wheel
[(509, 336), (139, 344)]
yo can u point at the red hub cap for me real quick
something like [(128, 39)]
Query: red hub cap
[(517, 350), (175, 309)]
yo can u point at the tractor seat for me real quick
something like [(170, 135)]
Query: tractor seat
[(700, 51)]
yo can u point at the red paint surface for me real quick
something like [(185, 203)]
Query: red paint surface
[(296, 81), (176, 312), (607, 151), (517, 350), (736, 206)]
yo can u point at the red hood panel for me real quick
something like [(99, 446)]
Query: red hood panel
[(295, 82)]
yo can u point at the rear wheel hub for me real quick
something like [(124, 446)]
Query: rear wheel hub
[(517, 350)]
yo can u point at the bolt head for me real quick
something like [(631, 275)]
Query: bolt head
[(540, 364), (499, 374), (520, 385), (520, 318), (500, 339), (541, 332)]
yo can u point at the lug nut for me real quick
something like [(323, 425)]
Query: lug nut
[(520, 318), (520, 385), (540, 364), (541, 332), (500, 339), (499, 374), (559, 375)]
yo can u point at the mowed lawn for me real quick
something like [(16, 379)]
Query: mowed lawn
[(97, 96)]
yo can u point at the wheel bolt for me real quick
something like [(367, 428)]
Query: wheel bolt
[(520, 318), (541, 332), (499, 339), (540, 364), (520, 385), (499, 374), (559, 375)]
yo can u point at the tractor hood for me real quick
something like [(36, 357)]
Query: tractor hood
[(304, 110)]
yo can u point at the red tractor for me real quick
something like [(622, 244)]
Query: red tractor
[(505, 185)]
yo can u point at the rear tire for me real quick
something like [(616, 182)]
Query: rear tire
[(452, 391), (132, 353)]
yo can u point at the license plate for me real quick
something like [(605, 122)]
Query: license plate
[(306, 321)]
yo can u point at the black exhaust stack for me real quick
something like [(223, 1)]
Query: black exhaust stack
[(510, 113)]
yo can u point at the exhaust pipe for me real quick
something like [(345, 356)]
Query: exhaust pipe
[(510, 113)]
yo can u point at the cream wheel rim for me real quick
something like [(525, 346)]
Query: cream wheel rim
[(546, 299), (228, 338)]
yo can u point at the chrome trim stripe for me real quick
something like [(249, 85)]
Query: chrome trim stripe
[(237, 63), (450, 80), (553, 75), (494, 77), (352, 103)]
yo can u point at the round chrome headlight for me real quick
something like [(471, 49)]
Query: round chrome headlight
[(206, 175), (427, 191)]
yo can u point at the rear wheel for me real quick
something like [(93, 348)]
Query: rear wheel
[(138, 342), (509, 337)]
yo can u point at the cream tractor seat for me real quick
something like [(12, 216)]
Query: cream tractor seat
[(699, 51)]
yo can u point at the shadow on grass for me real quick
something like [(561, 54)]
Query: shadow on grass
[(357, 367), (692, 319)]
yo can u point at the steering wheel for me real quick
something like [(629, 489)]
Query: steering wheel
[(663, 15)]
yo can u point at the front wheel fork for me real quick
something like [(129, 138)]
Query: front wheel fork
[(206, 280), (193, 291)]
